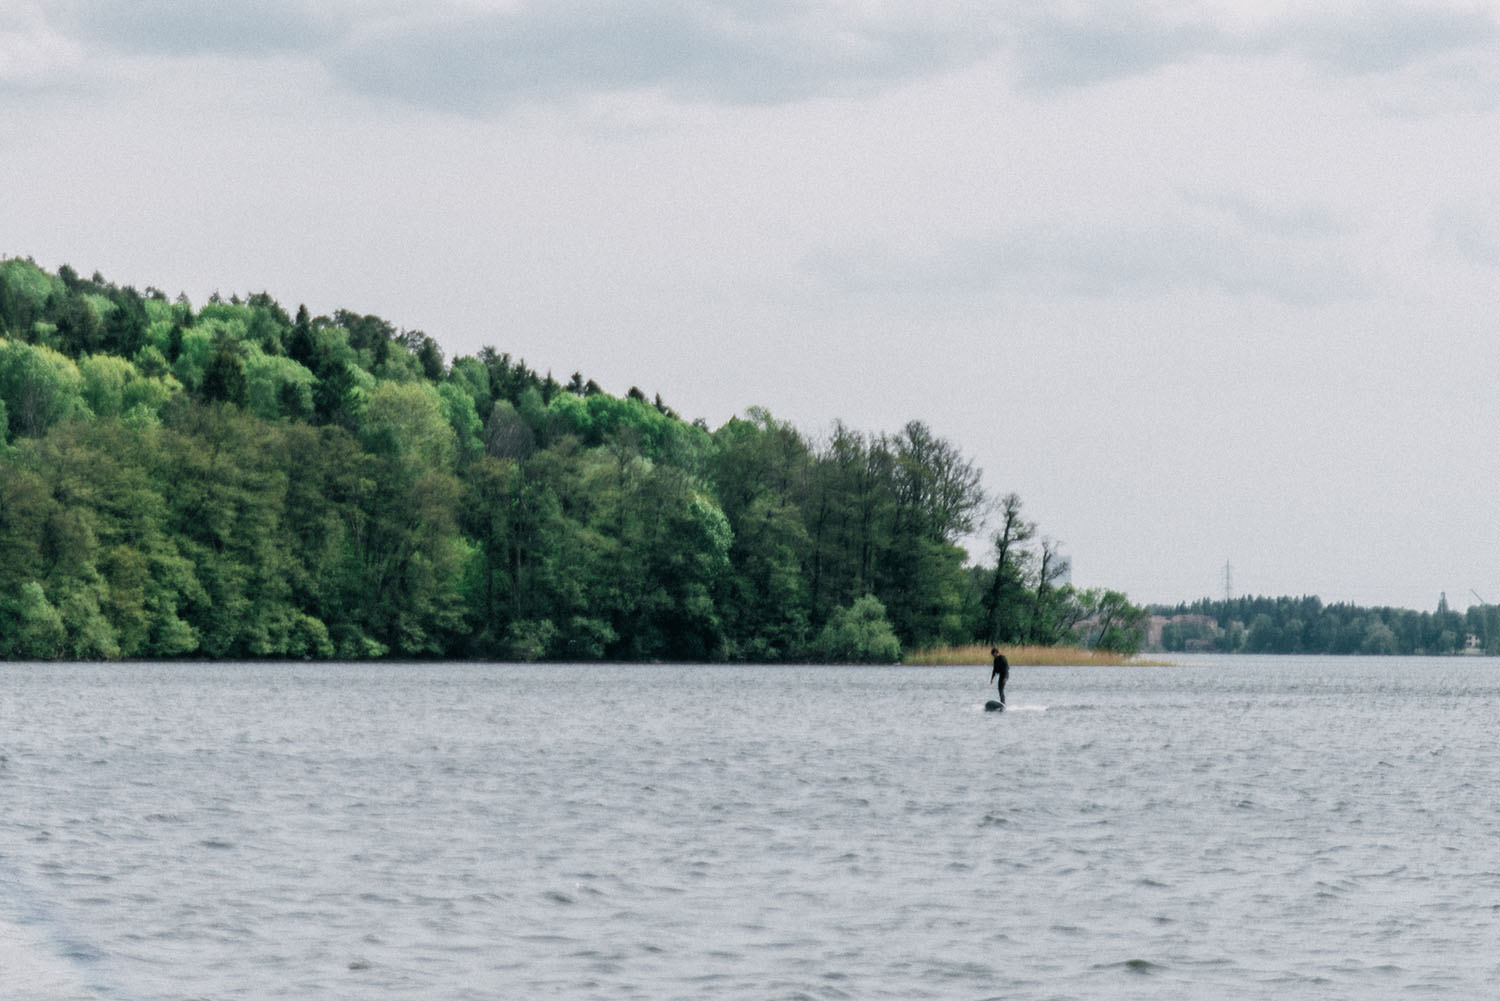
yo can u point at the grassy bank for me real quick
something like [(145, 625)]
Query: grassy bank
[(1025, 656)]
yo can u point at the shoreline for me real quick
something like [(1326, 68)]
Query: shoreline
[(978, 655)]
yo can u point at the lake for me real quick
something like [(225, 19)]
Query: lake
[(1231, 827)]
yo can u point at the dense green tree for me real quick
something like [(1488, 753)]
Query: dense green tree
[(858, 634), (39, 387), (235, 482), (125, 325), (762, 468), (410, 555), (1112, 622), (79, 329), (31, 628), (225, 509), (25, 291), (1004, 593), (224, 377), (276, 387)]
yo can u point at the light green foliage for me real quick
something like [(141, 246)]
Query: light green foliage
[(104, 379), (405, 421), (529, 639), (462, 416), (150, 362), (568, 414), (278, 387), (143, 398), (90, 634), (39, 387), (858, 634), (160, 311), (471, 375), (112, 387), (159, 336), (99, 305), (27, 285), (30, 627), (192, 362), (227, 318), (412, 576), (307, 638)]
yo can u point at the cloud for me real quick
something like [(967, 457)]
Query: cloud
[(479, 57), (1251, 215), (192, 27), (1382, 39), (726, 52), (1184, 253), (1061, 47), (32, 54), (1056, 49)]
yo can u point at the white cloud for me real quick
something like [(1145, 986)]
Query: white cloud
[(476, 61), (1057, 48), (1383, 38), (479, 58), (32, 54), (1060, 46), (192, 28)]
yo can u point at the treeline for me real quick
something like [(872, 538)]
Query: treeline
[(1307, 625), (234, 481)]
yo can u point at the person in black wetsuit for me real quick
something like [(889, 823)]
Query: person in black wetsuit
[(1001, 671)]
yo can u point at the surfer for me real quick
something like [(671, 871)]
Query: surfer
[(1001, 671)]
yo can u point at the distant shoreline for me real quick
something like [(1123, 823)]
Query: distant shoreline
[(1027, 656)]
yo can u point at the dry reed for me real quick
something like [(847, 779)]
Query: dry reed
[(1025, 656)]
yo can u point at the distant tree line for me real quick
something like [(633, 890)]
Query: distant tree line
[(1307, 625), (237, 481)]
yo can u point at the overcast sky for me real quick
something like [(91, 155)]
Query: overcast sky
[(1204, 283)]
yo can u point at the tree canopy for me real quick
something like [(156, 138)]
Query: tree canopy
[(241, 481)]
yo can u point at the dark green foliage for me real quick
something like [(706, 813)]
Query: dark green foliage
[(224, 378), (1003, 595), (235, 482), (1307, 625), (125, 325), (301, 347), (430, 356), (369, 335)]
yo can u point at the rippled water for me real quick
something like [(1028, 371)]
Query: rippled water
[(1229, 828)]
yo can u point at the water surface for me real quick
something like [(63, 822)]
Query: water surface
[(1228, 828)]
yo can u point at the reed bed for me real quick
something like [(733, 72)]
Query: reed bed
[(1025, 656)]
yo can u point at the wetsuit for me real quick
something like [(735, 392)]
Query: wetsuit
[(1001, 671)]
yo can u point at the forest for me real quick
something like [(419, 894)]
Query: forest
[(1307, 625), (237, 481)]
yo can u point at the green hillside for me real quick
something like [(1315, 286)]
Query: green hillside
[(236, 481)]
